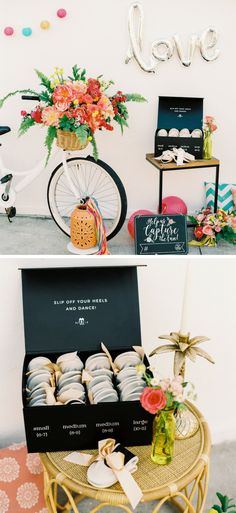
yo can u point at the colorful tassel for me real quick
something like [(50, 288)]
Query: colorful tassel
[(93, 208)]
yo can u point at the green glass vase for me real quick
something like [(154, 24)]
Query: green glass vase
[(163, 437), (207, 147)]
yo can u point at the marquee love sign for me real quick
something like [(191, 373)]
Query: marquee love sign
[(163, 49)]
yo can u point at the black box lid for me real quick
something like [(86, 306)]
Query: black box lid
[(177, 112), (68, 309)]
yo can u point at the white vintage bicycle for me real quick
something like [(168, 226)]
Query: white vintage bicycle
[(71, 182)]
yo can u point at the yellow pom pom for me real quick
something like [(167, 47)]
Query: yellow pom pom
[(45, 25), (75, 102), (89, 138)]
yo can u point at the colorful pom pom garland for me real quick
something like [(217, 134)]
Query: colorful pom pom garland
[(28, 31)]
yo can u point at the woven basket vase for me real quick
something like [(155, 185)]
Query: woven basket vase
[(69, 141), (82, 228)]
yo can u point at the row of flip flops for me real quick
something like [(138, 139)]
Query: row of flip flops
[(61, 383), (185, 132)]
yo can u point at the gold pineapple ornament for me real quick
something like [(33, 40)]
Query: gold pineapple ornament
[(183, 347)]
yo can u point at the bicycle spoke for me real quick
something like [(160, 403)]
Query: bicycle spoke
[(90, 180)]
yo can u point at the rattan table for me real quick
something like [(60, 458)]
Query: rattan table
[(184, 482)]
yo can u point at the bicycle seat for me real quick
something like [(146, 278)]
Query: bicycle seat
[(4, 130)]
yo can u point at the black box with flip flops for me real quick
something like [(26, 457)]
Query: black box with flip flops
[(75, 393), (180, 125)]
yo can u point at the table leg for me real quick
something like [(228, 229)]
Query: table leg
[(160, 191), (216, 187)]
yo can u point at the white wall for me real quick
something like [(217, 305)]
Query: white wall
[(95, 35), (211, 313)]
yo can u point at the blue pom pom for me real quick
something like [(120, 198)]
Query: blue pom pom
[(27, 31)]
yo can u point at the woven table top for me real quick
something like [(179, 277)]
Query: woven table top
[(190, 456)]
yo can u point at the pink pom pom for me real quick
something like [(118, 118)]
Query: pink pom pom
[(8, 31), (61, 13), (131, 219)]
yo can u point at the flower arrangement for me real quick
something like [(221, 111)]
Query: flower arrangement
[(210, 227), (163, 398), (209, 125), (75, 104), (161, 394), (209, 128)]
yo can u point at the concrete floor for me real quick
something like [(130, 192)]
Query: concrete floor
[(40, 236)]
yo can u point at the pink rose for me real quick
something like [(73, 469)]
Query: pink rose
[(153, 399), (200, 217), (207, 230), (218, 228), (209, 120), (213, 127)]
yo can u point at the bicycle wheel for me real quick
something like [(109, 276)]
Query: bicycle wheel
[(93, 179)]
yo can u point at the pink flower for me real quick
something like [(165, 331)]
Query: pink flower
[(105, 106), (207, 230), (50, 116), (218, 228), (209, 120), (62, 105), (165, 383), (63, 92), (200, 217), (153, 399), (86, 98), (23, 113), (176, 388), (213, 127), (79, 87)]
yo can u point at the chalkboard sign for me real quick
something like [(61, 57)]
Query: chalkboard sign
[(161, 234)]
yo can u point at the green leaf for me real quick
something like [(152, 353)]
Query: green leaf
[(26, 123), (78, 74), (51, 135), (135, 98), (18, 91), (217, 508), (46, 97), (67, 124), (44, 80), (192, 219), (121, 121), (223, 500), (82, 133), (95, 149)]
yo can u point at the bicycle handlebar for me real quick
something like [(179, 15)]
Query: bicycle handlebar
[(36, 98)]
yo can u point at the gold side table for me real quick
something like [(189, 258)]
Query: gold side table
[(184, 482)]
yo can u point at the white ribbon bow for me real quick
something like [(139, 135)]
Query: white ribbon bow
[(178, 155), (114, 460)]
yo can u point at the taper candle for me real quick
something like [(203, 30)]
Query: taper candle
[(185, 306)]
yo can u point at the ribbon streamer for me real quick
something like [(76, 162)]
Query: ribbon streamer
[(113, 366), (93, 208), (115, 460)]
